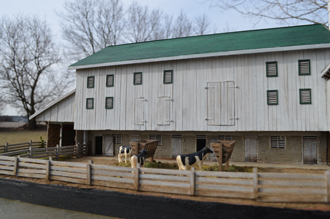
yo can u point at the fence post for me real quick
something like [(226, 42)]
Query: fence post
[(327, 185), (15, 166), (57, 152), (192, 181), (220, 158), (88, 172), (6, 147), (30, 143), (30, 151), (255, 183), (48, 169), (136, 178)]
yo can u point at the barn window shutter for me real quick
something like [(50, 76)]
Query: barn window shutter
[(277, 141), (90, 82), (157, 137), (305, 96), (109, 102), (272, 97), (168, 77), (117, 138), (110, 80), (271, 69), (90, 103), (137, 78), (304, 67)]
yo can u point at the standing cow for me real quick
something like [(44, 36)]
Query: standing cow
[(138, 160), (194, 159), (124, 151)]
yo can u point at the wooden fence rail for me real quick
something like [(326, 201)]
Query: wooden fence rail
[(19, 146), (269, 187), (36, 152)]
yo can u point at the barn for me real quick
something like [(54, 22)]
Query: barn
[(266, 89)]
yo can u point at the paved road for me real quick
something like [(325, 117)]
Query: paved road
[(10, 209), (122, 205)]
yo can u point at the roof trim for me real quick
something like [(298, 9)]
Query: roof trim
[(205, 55), (326, 72), (53, 103)]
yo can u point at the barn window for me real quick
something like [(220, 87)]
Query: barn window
[(157, 137), (137, 78), (277, 142), (90, 82), (90, 103), (272, 97), (110, 80), (304, 67), (117, 138), (305, 96), (109, 102), (271, 69), (225, 137), (168, 77)]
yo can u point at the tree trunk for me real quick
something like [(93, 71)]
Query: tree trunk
[(32, 124)]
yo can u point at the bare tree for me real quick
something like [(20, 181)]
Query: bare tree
[(27, 54), (142, 24), (91, 25), (284, 11), (182, 27), (201, 25)]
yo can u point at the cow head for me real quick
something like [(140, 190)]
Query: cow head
[(144, 152), (207, 150)]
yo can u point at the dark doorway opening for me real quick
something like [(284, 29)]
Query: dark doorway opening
[(98, 145), (201, 143)]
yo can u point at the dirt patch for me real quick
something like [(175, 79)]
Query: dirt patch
[(107, 161)]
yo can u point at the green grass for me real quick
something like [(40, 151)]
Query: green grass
[(13, 137)]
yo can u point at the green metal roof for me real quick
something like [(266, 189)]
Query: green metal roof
[(224, 42)]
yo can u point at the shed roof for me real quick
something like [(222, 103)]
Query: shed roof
[(210, 45)]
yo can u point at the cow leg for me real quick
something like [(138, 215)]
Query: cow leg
[(125, 156), (119, 158), (199, 162)]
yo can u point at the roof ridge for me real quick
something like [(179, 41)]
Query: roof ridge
[(213, 34)]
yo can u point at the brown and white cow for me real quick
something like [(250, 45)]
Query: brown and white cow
[(194, 159)]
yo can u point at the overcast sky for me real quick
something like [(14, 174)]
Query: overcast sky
[(45, 9)]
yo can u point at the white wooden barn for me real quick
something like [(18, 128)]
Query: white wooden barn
[(267, 89)]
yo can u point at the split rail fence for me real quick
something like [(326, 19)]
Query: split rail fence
[(266, 187), (34, 150)]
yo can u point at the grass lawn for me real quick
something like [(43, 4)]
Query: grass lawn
[(13, 137)]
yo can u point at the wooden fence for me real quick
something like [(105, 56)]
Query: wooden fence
[(19, 146), (33, 150), (270, 187)]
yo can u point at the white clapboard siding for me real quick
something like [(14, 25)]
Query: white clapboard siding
[(62, 111), (145, 107)]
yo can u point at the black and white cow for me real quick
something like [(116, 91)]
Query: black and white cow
[(138, 160), (194, 159), (124, 151)]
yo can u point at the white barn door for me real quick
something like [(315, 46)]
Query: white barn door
[(108, 147), (176, 145), (221, 103), (310, 149), (139, 111), (163, 110)]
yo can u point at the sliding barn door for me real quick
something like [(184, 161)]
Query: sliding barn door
[(221, 103)]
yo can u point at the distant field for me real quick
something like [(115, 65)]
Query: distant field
[(22, 136)]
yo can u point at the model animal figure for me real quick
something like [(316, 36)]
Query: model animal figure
[(139, 160), (194, 159), (124, 151)]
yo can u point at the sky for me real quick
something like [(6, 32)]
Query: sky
[(46, 9)]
